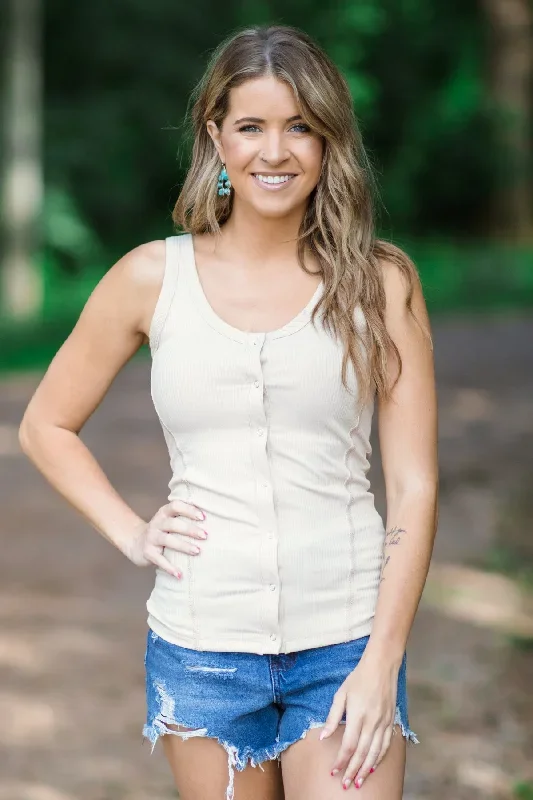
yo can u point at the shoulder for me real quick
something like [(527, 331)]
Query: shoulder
[(143, 267), (398, 273), (135, 281), (405, 305)]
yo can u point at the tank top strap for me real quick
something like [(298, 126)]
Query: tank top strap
[(173, 258)]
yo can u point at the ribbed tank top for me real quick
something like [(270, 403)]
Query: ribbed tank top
[(265, 439)]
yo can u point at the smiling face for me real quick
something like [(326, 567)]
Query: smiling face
[(272, 157)]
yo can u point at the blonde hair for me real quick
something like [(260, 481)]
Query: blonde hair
[(338, 227)]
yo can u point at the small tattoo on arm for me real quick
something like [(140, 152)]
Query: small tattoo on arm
[(392, 538)]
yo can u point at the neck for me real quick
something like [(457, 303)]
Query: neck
[(260, 238)]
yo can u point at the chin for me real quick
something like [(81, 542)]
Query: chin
[(277, 209)]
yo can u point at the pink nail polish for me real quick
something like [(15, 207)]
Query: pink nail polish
[(358, 783), (372, 769), (334, 772)]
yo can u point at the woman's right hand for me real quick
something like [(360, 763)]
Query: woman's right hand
[(172, 526)]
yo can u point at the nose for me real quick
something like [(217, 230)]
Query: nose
[(274, 150)]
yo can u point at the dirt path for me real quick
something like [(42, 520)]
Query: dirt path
[(73, 615)]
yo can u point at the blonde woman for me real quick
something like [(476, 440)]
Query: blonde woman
[(282, 604)]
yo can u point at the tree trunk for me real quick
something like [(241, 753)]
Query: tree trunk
[(22, 285), (511, 23)]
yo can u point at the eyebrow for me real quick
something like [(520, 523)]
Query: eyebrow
[(257, 119)]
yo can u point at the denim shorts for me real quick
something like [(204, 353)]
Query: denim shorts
[(254, 705)]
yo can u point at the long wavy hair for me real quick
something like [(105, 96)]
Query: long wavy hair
[(339, 224)]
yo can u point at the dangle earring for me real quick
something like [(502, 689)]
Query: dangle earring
[(224, 183)]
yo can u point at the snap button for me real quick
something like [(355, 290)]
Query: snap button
[(256, 384), (273, 637), (272, 587), (260, 431)]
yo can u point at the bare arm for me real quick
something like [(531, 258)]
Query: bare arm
[(408, 438), (408, 441), (111, 328)]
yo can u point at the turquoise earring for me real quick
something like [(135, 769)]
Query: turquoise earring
[(224, 183)]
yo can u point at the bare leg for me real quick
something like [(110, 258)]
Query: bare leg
[(306, 767), (201, 772)]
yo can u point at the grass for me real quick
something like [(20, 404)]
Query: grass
[(523, 791)]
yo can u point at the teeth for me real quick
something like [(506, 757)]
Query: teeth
[(273, 178)]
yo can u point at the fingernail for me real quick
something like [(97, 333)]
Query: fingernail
[(196, 549), (346, 784), (205, 533), (323, 734), (200, 515), (334, 772), (177, 574), (372, 769), (358, 783)]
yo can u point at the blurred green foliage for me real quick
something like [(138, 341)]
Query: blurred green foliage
[(118, 78), (119, 75), (451, 275), (523, 791)]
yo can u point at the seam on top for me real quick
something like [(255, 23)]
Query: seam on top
[(166, 293), (349, 503), (190, 560)]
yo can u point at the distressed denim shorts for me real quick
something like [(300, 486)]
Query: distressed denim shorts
[(254, 705)]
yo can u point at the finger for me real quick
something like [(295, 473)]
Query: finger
[(335, 714), (387, 738), (176, 542), (163, 563), (358, 755), (369, 763), (182, 526), (183, 509), (348, 745)]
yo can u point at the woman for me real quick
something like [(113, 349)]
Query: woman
[(273, 323)]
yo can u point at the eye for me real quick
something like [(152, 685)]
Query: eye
[(302, 127), (248, 128)]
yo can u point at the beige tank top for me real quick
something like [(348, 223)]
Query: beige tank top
[(264, 438)]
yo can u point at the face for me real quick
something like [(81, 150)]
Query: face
[(272, 157)]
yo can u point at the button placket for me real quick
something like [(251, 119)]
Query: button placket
[(265, 499)]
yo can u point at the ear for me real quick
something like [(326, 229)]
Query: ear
[(214, 133)]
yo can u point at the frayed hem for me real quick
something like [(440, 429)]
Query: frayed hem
[(407, 733), (165, 718), (160, 727), (282, 746), (237, 762)]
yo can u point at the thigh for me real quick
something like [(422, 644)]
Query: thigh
[(306, 767), (200, 769), (215, 717)]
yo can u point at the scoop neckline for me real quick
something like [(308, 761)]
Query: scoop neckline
[(295, 324)]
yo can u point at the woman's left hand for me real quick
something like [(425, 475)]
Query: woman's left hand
[(369, 696)]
